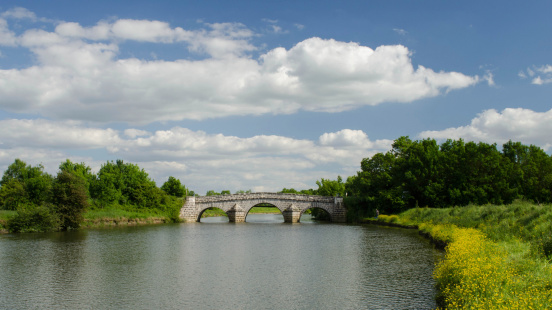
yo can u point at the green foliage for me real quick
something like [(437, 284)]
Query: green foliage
[(31, 218), (173, 187), (294, 191), (422, 173), (22, 184), (45, 203), (70, 199), (330, 187), (12, 194), (211, 193), (120, 183), (79, 170)]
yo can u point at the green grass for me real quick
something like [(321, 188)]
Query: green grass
[(498, 257), (4, 216), (259, 210), (519, 221), (269, 210), (213, 212), (125, 215)]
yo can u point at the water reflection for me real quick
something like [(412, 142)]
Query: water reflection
[(219, 265)]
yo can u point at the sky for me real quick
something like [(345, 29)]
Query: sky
[(258, 95)]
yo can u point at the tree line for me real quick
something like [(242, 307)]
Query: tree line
[(44, 202), (456, 173)]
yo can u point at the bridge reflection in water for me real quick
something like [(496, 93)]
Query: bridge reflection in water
[(237, 206)]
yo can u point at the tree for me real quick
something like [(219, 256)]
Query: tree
[(81, 170), (328, 187), (12, 195), (24, 183), (122, 183), (173, 187), (70, 199)]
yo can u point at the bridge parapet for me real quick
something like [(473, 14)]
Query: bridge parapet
[(238, 205), (278, 196)]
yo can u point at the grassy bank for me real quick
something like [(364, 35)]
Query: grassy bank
[(497, 257), (4, 216), (117, 216)]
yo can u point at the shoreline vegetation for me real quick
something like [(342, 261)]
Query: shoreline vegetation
[(496, 257), (112, 217)]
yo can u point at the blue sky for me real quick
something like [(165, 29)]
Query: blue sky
[(265, 95)]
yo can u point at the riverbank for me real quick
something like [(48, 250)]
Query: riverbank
[(112, 217), (497, 257)]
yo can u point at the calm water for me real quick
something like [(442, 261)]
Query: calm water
[(261, 264)]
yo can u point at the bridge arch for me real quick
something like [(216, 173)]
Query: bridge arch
[(319, 208), (200, 215), (237, 206)]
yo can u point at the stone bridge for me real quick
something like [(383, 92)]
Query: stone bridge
[(237, 206)]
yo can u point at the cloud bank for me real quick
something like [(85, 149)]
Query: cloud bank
[(199, 159), (491, 126), (79, 74)]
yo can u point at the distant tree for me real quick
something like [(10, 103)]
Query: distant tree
[(70, 199), (243, 192), (211, 193), (173, 187), (289, 191), (328, 187), (225, 192)]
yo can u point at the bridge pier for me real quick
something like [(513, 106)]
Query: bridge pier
[(292, 214), (236, 214)]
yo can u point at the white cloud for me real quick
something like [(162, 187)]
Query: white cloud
[(489, 77), (199, 159), (544, 78), (545, 69), (79, 75), (522, 75), (401, 32), (491, 126), (345, 138), (19, 13), (54, 135), (7, 37)]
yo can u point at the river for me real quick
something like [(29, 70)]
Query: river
[(261, 264)]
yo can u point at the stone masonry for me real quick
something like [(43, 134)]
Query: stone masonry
[(237, 206)]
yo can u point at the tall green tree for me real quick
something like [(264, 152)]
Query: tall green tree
[(70, 199)]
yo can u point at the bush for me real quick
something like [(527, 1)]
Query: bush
[(31, 218)]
